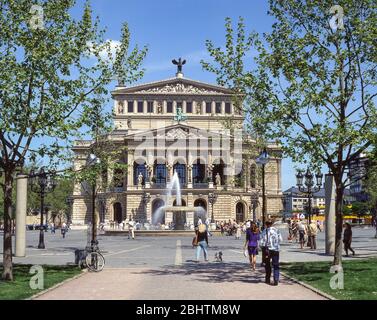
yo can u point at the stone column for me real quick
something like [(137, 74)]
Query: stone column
[(174, 107), (189, 176), (184, 105), (213, 107), (145, 107), (130, 173), (203, 111), (21, 204), (330, 214), (209, 175), (223, 107)]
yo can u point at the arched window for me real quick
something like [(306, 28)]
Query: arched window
[(198, 172), (139, 168), (218, 168), (160, 173), (240, 212)]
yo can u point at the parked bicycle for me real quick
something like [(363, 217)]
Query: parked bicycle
[(94, 260)]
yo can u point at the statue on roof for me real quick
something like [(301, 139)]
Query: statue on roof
[(179, 64)]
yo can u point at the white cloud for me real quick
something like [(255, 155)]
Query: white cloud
[(104, 54)]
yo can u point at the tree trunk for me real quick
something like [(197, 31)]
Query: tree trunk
[(338, 223), (7, 246)]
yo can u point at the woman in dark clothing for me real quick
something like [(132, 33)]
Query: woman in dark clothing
[(347, 239), (252, 238), (202, 241)]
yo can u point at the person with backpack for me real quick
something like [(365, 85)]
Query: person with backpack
[(270, 243), (201, 242)]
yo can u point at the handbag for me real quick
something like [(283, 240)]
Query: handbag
[(195, 241)]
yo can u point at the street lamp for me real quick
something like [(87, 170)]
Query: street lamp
[(308, 186), (92, 161), (262, 160), (212, 199), (255, 202), (42, 183)]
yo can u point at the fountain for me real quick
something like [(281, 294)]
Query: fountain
[(178, 213)]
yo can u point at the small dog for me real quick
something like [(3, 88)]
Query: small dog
[(219, 256)]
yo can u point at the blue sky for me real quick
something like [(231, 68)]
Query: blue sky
[(178, 28)]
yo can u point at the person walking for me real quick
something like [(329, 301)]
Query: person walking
[(131, 229), (312, 232), (64, 229), (52, 226), (270, 242), (202, 242), (347, 239), (238, 231), (302, 231), (208, 226), (251, 244)]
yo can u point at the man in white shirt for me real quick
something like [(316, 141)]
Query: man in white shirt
[(131, 229), (270, 243)]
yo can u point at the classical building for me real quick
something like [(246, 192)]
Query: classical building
[(180, 125)]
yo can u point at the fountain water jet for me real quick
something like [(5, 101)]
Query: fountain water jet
[(178, 209)]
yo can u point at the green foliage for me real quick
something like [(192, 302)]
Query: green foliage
[(51, 79), (312, 88)]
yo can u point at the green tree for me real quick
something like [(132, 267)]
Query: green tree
[(51, 74), (313, 87)]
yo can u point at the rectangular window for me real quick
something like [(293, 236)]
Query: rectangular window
[(140, 106), (150, 107), (218, 107), (188, 107), (208, 107), (169, 107), (227, 108), (130, 106), (179, 105)]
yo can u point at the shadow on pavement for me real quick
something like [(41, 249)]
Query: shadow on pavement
[(213, 272)]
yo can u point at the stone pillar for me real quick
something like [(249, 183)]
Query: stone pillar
[(213, 107), (145, 107), (223, 107), (130, 173), (21, 204), (189, 176), (209, 175), (184, 106), (330, 214), (135, 106), (203, 111), (174, 107)]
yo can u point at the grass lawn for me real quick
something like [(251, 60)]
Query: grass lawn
[(360, 278), (20, 288)]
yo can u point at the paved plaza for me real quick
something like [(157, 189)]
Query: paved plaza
[(164, 267)]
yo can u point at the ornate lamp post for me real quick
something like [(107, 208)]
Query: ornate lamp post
[(212, 199), (309, 186), (42, 183), (262, 160), (91, 161), (254, 203)]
